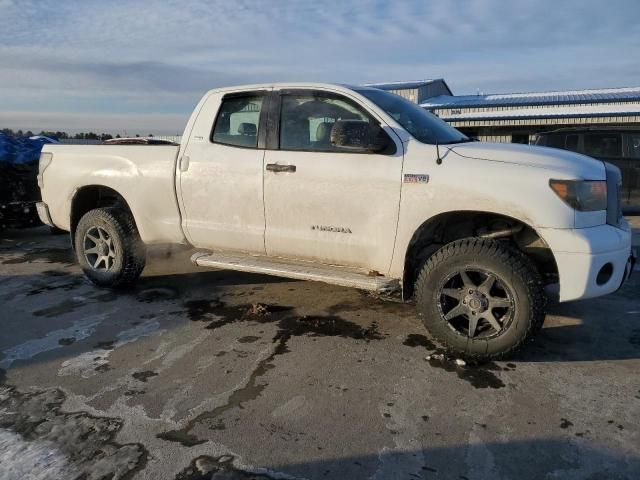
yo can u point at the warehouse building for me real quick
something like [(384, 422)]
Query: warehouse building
[(418, 91), (517, 117)]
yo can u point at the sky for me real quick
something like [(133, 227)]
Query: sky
[(127, 66)]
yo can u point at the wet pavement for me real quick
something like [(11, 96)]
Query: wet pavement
[(197, 374)]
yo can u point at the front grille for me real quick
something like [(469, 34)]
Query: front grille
[(614, 194)]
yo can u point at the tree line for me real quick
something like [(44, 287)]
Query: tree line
[(63, 135)]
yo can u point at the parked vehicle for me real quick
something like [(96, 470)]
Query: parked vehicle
[(19, 191), (357, 187), (138, 141), (617, 145)]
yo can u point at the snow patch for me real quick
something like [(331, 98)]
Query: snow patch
[(33, 460)]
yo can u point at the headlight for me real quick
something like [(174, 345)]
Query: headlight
[(583, 195)]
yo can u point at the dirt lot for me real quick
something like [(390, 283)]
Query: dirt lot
[(214, 374)]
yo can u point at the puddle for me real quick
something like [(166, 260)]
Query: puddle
[(88, 364), (79, 330), (144, 376), (417, 340), (288, 327), (368, 301), (479, 376), (248, 339), (210, 468), (40, 287), (44, 255), (564, 423), (62, 308), (150, 295), (45, 439)]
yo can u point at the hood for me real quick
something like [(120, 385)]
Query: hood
[(566, 161)]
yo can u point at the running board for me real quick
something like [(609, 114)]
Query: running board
[(299, 270)]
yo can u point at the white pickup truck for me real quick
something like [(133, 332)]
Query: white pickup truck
[(357, 187)]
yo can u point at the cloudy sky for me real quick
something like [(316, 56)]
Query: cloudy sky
[(140, 66)]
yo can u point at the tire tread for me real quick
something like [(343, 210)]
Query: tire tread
[(515, 259)]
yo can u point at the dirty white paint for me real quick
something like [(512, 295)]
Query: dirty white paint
[(86, 363), (80, 329), (31, 460)]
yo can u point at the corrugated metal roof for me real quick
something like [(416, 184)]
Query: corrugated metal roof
[(402, 85), (549, 112), (535, 98)]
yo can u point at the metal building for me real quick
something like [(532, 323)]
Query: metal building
[(517, 117), (417, 91)]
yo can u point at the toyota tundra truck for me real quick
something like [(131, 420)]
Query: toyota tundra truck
[(357, 187)]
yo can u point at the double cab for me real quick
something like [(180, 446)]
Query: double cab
[(357, 187)]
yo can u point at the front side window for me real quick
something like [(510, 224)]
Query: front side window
[(603, 145), (422, 125), (238, 120), (306, 120)]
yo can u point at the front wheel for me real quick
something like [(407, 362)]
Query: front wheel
[(480, 298), (109, 248)]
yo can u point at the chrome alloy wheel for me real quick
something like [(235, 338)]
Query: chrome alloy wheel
[(98, 249)]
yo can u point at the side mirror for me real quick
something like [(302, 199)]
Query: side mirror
[(359, 136)]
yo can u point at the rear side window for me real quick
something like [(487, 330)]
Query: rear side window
[(603, 145), (238, 120)]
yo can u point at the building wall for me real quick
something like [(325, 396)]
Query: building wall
[(410, 94)]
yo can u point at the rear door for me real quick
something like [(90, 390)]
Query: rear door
[(322, 203), (221, 174)]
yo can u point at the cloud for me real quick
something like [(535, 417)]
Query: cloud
[(159, 56)]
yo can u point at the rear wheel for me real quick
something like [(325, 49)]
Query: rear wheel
[(108, 247), (480, 298)]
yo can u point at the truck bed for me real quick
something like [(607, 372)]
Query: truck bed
[(144, 175)]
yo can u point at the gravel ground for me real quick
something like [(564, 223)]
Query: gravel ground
[(212, 374)]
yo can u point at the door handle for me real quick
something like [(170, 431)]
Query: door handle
[(275, 167), (184, 163)]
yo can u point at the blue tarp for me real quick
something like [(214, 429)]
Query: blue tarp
[(21, 150)]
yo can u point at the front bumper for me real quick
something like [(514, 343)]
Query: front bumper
[(591, 261)]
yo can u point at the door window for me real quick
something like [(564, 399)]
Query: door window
[(306, 121), (603, 145), (237, 122)]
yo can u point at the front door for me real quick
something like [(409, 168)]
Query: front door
[(221, 175), (324, 203)]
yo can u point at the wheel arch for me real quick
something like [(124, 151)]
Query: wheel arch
[(449, 226), (90, 197)]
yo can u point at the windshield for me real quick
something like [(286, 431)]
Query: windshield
[(422, 125)]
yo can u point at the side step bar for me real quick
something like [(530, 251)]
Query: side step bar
[(299, 270)]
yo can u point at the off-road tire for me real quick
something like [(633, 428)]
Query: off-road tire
[(130, 252), (511, 267)]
